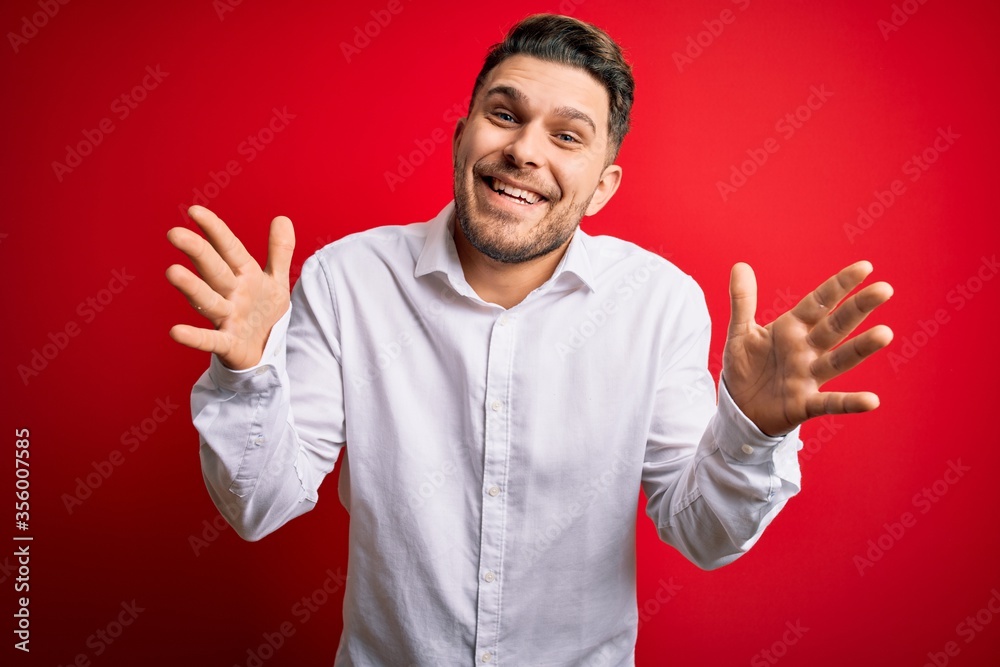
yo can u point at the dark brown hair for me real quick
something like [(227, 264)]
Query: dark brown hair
[(569, 41)]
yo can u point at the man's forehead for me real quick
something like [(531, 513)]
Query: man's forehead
[(544, 82)]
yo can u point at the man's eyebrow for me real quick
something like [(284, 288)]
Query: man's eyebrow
[(567, 112), (575, 114), (508, 91)]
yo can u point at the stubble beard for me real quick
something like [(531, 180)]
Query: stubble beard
[(494, 237)]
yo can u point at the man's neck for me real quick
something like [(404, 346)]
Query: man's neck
[(499, 282)]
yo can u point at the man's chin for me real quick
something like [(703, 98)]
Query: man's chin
[(507, 215), (477, 231), (505, 250)]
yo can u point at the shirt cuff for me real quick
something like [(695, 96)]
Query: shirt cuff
[(742, 443), (266, 374)]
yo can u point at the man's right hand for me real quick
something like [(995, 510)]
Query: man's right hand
[(240, 300)]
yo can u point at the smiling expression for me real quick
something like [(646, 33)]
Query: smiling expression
[(531, 158)]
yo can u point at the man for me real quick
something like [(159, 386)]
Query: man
[(501, 384)]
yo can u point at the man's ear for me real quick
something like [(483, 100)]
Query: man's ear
[(459, 129), (611, 178)]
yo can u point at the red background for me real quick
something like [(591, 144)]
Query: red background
[(354, 121)]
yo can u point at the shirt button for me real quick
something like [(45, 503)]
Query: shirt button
[(259, 440), (747, 449), (496, 405), (494, 491), (489, 576), (261, 370), (487, 656), (503, 320)]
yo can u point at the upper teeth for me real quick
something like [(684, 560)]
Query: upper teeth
[(526, 195)]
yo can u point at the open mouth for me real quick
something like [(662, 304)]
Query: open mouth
[(514, 194)]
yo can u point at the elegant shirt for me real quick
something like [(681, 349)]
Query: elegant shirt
[(493, 458)]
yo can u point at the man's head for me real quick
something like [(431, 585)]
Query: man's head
[(549, 111), (565, 40)]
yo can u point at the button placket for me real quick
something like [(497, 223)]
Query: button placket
[(495, 457)]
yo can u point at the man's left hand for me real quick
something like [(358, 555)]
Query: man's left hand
[(774, 372)]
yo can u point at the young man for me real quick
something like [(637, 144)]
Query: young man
[(501, 384)]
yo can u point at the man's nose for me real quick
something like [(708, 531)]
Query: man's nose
[(527, 147)]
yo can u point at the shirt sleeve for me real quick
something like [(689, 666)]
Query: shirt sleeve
[(271, 433), (713, 480)]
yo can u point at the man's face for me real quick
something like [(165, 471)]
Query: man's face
[(530, 158)]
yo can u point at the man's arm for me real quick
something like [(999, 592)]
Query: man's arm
[(711, 502), (715, 506), (262, 460)]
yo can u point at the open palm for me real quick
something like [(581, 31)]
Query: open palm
[(241, 300), (774, 372)]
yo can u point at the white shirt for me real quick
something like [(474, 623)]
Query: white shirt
[(493, 456)]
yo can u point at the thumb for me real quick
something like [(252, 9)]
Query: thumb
[(742, 298), (280, 245)]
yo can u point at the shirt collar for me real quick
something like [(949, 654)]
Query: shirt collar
[(439, 254)]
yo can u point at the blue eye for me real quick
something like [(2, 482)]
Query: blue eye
[(568, 137), (504, 116)]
